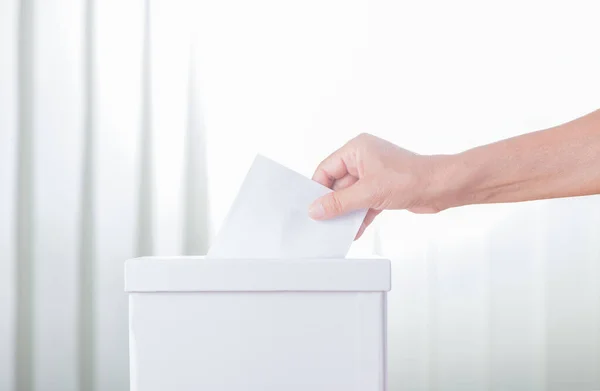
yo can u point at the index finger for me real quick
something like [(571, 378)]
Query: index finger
[(331, 169)]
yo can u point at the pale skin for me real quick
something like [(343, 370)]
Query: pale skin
[(374, 174)]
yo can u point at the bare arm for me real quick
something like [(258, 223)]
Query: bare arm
[(369, 172), (559, 162)]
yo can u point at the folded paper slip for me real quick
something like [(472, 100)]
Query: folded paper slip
[(269, 219)]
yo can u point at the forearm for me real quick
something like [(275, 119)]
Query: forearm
[(558, 162)]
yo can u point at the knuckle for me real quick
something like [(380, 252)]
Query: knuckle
[(333, 204), (361, 138)]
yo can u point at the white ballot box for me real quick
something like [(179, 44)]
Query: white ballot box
[(200, 324)]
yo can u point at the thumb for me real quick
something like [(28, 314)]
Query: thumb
[(340, 202)]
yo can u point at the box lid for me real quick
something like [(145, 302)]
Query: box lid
[(197, 274)]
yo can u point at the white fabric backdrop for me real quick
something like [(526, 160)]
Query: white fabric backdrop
[(126, 130)]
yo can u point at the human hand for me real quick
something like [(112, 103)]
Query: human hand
[(371, 173)]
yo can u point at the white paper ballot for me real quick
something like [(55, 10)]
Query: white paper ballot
[(269, 219)]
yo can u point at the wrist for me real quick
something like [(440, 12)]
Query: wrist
[(451, 181)]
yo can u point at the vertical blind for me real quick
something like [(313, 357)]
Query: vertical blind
[(126, 128)]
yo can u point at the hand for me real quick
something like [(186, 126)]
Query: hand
[(371, 173)]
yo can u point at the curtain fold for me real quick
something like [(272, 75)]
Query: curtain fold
[(127, 127)]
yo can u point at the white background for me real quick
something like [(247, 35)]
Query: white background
[(126, 130)]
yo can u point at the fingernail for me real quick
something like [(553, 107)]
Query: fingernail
[(316, 211)]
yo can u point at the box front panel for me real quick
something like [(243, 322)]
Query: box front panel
[(293, 341)]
